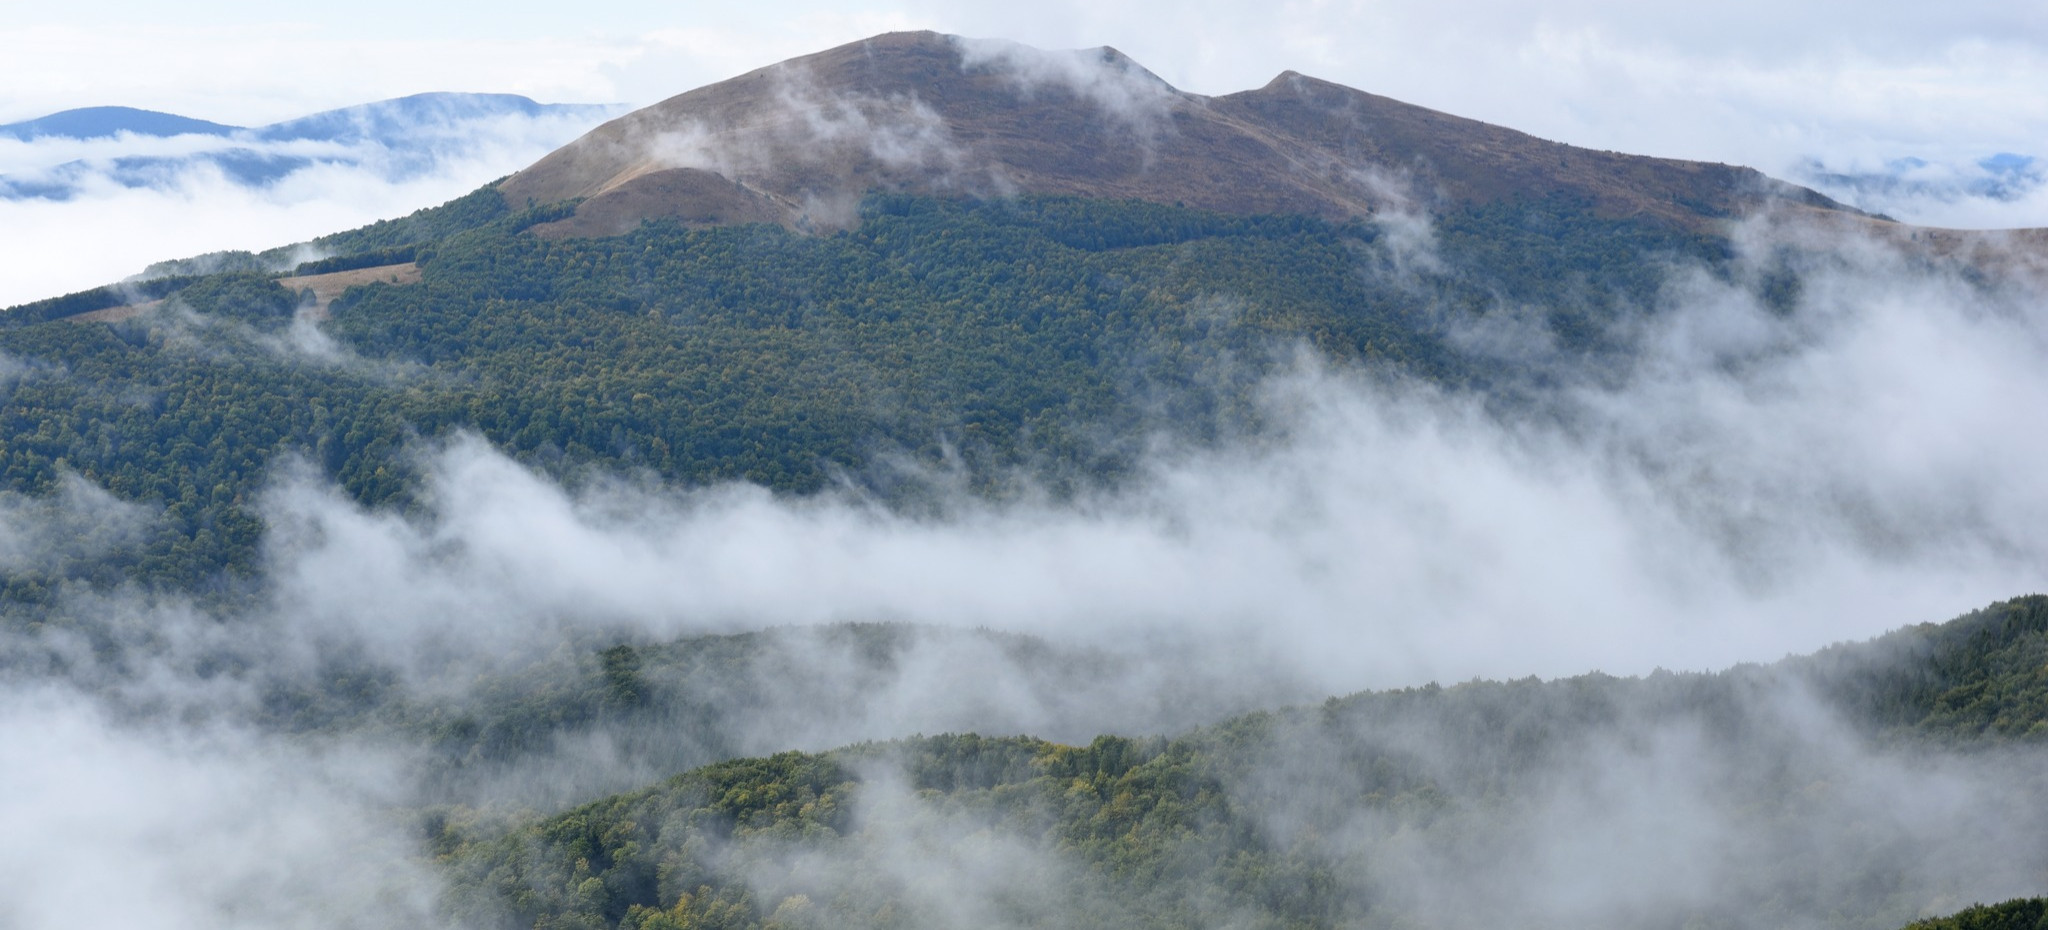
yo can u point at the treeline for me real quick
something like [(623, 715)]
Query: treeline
[(2021, 914), (665, 707), (98, 298), (474, 210), (1981, 676), (1379, 809), (1977, 682), (370, 259)]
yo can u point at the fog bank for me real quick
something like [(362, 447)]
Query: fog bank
[(1754, 483), (113, 222)]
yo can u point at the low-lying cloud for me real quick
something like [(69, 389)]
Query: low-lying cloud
[(130, 201), (1756, 482), (196, 827), (2005, 190), (1756, 479), (1750, 804)]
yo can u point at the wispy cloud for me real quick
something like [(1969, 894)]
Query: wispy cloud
[(1760, 480), (205, 827), (1760, 483), (2005, 189), (116, 220)]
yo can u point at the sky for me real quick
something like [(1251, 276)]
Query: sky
[(1767, 84), (1749, 80), (1914, 95)]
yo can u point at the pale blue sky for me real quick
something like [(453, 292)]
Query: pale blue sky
[(1752, 81)]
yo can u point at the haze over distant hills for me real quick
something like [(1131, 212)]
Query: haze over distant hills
[(108, 122), (2004, 177), (384, 119), (143, 148)]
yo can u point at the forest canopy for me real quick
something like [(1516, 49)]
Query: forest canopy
[(1049, 337)]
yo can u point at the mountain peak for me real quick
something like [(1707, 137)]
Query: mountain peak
[(800, 142)]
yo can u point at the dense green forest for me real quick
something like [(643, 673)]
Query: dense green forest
[(2023, 914), (1982, 676), (1042, 340), (1290, 818)]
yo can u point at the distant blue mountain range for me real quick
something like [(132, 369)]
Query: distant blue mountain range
[(399, 138), (2005, 176), (107, 122)]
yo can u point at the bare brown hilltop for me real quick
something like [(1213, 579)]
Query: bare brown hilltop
[(800, 142)]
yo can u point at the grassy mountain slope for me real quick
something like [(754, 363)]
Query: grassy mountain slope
[(799, 142)]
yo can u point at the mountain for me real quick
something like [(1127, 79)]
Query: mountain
[(383, 120), (1042, 438), (107, 122), (389, 120), (799, 143), (1042, 338), (2004, 177), (398, 138)]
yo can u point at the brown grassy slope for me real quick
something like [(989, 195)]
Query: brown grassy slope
[(325, 288), (799, 143), (1468, 161)]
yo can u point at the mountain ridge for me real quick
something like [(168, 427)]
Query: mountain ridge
[(404, 136), (104, 122), (107, 122), (798, 141)]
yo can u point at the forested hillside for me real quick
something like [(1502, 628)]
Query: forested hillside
[(813, 503), (663, 706), (2027, 914), (1432, 806), (1044, 340), (597, 715)]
